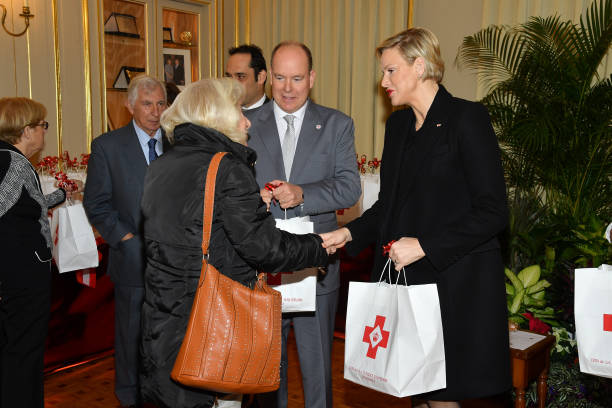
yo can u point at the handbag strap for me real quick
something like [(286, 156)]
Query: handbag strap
[(209, 200)]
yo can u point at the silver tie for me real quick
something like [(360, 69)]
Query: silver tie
[(289, 145)]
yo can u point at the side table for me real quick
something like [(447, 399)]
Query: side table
[(529, 364)]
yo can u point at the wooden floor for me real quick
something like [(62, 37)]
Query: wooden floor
[(91, 386)]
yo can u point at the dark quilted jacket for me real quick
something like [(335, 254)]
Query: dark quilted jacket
[(244, 240)]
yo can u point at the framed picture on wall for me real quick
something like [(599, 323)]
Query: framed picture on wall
[(167, 31), (177, 66)]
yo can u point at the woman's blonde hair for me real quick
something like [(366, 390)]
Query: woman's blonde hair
[(16, 114), (212, 103), (417, 42)]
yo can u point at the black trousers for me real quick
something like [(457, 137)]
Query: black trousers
[(24, 318)]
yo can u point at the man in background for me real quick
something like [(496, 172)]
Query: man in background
[(115, 179), (179, 71), (247, 65), (308, 152)]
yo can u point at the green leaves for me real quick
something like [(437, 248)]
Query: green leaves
[(530, 275), (525, 292), (550, 109)]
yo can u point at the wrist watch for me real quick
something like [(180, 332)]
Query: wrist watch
[(302, 205)]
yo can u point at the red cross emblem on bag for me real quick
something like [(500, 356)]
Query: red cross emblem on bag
[(607, 322), (275, 278), (376, 336)]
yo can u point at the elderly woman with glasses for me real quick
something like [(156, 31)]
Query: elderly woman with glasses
[(25, 250)]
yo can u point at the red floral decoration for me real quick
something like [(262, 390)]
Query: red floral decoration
[(536, 324), (361, 163), (64, 182)]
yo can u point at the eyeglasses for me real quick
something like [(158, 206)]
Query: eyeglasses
[(44, 124)]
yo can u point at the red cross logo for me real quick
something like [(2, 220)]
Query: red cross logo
[(275, 278), (607, 322), (376, 336)]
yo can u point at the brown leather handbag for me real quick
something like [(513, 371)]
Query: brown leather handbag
[(233, 340)]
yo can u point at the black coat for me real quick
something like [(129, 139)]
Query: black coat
[(444, 185), (244, 239)]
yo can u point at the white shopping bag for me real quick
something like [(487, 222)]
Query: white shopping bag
[(299, 288), (370, 186), (394, 341), (74, 242), (593, 314)]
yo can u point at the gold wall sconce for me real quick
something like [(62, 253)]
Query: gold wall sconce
[(26, 15)]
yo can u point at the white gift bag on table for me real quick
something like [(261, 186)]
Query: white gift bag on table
[(298, 288), (394, 341), (593, 314), (74, 242)]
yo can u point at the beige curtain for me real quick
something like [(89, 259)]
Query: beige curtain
[(342, 35), (512, 12)]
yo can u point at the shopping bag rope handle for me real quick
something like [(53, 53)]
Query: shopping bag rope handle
[(387, 267)]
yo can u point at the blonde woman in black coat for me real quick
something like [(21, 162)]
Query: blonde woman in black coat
[(204, 119), (442, 200)]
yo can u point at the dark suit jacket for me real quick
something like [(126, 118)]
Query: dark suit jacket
[(115, 178), (324, 166), (445, 186), (179, 74)]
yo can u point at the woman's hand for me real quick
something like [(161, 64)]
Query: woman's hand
[(266, 196), (76, 187), (336, 239), (405, 251)]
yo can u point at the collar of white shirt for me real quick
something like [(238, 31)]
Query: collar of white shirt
[(281, 124), (256, 104), (144, 138)]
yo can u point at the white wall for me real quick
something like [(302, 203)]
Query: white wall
[(451, 21)]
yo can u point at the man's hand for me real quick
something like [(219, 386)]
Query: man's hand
[(336, 239), (288, 195), (127, 236), (405, 251)]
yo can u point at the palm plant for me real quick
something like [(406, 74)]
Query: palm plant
[(550, 108)]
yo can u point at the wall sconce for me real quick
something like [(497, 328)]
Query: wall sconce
[(26, 15)]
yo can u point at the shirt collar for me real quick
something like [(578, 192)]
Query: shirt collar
[(299, 114), (256, 104), (143, 137)]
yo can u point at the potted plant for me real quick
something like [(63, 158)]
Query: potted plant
[(551, 110)]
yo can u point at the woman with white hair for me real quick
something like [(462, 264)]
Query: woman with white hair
[(204, 119)]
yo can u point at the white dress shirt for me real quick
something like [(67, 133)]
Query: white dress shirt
[(256, 104), (144, 138), (281, 124)]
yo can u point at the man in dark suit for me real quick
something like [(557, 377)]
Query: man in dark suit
[(247, 65), (308, 151), (115, 177), (179, 71)]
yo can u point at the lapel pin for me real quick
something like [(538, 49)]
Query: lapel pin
[(318, 127), (438, 125)]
